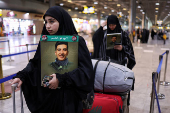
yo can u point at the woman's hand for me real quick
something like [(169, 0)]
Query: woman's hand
[(17, 80), (53, 82), (118, 47), (104, 23)]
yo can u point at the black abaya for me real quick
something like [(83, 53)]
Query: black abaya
[(74, 85), (127, 51)]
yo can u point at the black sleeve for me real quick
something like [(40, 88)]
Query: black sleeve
[(97, 41), (32, 67), (128, 50), (82, 78)]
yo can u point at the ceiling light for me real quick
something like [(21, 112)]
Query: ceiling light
[(139, 6), (103, 12), (156, 8), (156, 11), (136, 1), (118, 5), (124, 8), (141, 10), (11, 13), (113, 10), (27, 14), (156, 3), (76, 8), (80, 12), (105, 7), (69, 1), (69, 9), (61, 4), (168, 14), (95, 2)]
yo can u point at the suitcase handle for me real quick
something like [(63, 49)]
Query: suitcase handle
[(14, 87)]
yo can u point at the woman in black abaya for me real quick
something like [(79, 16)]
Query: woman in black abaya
[(74, 85), (120, 51)]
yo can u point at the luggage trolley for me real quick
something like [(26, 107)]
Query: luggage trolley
[(125, 95), (13, 87)]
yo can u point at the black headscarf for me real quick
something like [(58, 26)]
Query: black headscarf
[(66, 26), (112, 19)]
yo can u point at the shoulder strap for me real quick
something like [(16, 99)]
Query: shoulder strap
[(105, 75), (95, 67)]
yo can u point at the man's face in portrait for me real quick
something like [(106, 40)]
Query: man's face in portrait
[(113, 39), (61, 52)]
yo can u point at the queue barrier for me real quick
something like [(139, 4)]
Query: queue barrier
[(4, 95), (27, 49), (164, 82), (156, 78), (3, 41), (10, 60)]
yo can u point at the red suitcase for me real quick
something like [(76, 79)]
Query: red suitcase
[(106, 103)]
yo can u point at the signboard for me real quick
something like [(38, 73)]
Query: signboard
[(59, 54), (88, 10)]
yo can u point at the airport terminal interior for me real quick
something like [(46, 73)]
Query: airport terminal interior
[(20, 31)]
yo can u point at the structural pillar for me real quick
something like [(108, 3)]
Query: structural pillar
[(143, 21), (132, 15), (156, 19), (52, 3), (98, 16)]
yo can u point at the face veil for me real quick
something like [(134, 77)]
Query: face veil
[(112, 19)]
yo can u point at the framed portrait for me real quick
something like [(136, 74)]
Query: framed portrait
[(113, 39), (59, 54)]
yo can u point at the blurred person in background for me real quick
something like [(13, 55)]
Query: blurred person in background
[(119, 52), (133, 33)]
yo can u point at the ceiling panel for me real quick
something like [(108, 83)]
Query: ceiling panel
[(148, 6)]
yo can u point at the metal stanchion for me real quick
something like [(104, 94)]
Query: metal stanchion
[(10, 60), (160, 96), (164, 82), (13, 87), (3, 95), (27, 53), (154, 74)]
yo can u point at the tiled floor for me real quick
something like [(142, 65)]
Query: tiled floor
[(147, 61)]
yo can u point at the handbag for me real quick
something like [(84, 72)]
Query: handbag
[(112, 78)]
